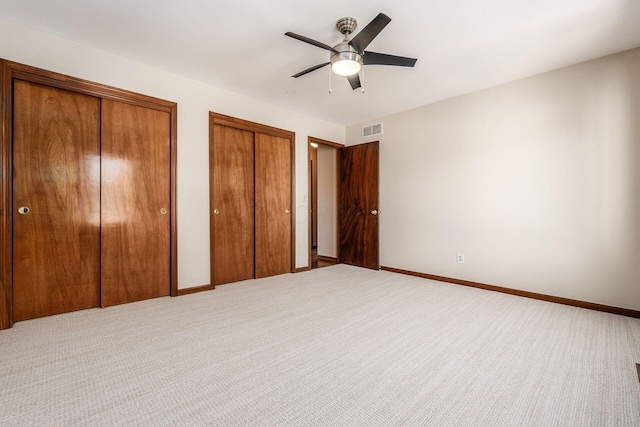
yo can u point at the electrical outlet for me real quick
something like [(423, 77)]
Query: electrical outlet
[(460, 258)]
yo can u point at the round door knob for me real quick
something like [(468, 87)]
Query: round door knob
[(163, 211), (23, 210), (374, 212), (287, 211), (216, 211)]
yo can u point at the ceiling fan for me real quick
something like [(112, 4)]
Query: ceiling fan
[(348, 56)]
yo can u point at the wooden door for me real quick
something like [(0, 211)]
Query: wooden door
[(273, 205), (358, 205), (232, 205), (135, 203), (56, 164)]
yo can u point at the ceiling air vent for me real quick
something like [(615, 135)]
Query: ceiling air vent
[(375, 129)]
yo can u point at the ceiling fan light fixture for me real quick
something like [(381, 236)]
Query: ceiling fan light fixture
[(347, 61), (347, 58), (346, 67)]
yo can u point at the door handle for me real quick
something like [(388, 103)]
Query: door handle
[(23, 210), (216, 211), (375, 212)]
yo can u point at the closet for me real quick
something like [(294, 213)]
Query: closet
[(251, 184), (89, 211)]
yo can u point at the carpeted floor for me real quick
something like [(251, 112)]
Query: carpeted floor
[(337, 346)]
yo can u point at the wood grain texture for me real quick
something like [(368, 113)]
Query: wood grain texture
[(273, 210), (215, 120), (136, 174), (56, 163), (63, 81), (11, 71), (6, 197), (358, 196), (195, 290), (292, 200), (232, 229), (543, 297), (16, 70), (173, 112), (233, 122)]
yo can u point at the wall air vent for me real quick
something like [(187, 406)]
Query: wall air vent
[(375, 129)]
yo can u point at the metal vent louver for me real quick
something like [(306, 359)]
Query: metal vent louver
[(374, 129)]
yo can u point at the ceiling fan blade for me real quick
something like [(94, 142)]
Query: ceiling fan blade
[(354, 80), (375, 58), (310, 41), (368, 33), (310, 69)]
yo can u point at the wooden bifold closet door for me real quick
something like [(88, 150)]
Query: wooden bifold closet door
[(56, 201), (251, 203), (233, 202), (135, 203), (92, 201), (273, 205)]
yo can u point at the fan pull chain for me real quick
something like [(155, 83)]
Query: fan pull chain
[(330, 72), (363, 79)]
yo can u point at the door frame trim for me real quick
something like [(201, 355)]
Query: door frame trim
[(337, 146), (236, 123), (12, 70)]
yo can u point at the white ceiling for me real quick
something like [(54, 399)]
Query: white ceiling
[(461, 45)]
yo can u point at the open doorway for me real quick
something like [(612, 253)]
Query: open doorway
[(323, 202)]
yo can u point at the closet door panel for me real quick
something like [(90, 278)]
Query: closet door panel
[(56, 161), (273, 205), (232, 240), (135, 203)]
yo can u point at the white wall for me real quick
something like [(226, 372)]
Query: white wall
[(195, 99), (537, 182), (327, 200)]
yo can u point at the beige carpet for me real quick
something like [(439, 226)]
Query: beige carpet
[(338, 346)]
